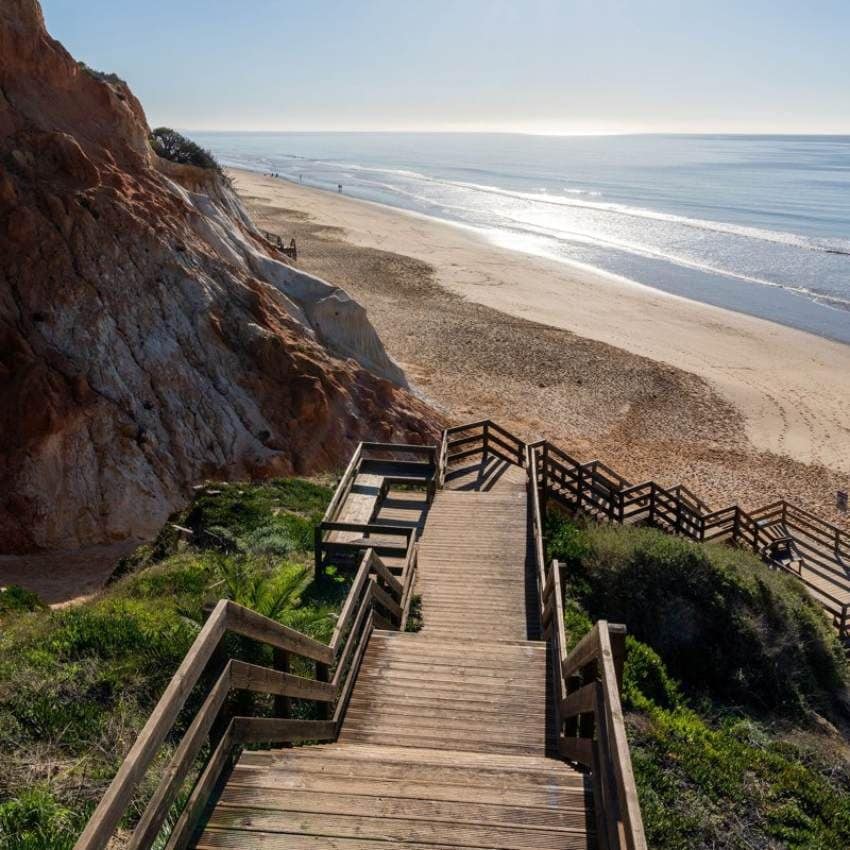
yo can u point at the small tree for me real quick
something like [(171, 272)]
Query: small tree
[(171, 145)]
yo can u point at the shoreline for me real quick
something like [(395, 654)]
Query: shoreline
[(791, 387)]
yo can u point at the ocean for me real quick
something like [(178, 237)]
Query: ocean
[(756, 224)]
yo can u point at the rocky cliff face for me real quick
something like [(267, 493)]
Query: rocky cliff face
[(149, 336)]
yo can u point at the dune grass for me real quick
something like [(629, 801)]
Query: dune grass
[(77, 684), (735, 686)]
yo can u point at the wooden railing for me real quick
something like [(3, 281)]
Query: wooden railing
[(586, 697), (388, 541), (290, 250), (372, 452), (375, 599), (482, 438), (598, 491)]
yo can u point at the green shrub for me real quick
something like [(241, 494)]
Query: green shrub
[(103, 76), (724, 624), (294, 505), (717, 646), (704, 787), (77, 684), (14, 598), (271, 541), (36, 821), (171, 145), (646, 680)]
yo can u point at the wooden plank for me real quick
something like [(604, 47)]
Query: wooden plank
[(398, 764), (376, 564), (344, 483), (262, 680), (620, 757), (345, 691), (324, 779), (585, 651), (349, 606), (581, 701), (560, 627), (381, 597), (276, 730), (250, 624), (354, 637), (354, 802), (227, 839), (407, 448), (395, 829), (577, 749)]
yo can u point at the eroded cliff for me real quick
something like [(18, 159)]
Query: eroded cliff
[(149, 336)]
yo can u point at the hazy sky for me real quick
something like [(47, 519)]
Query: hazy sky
[(528, 65)]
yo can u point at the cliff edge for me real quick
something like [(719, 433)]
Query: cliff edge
[(149, 336)]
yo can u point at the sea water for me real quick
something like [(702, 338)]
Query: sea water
[(757, 224)]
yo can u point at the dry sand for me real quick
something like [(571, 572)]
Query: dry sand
[(738, 408)]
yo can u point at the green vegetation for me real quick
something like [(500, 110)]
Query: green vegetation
[(103, 76), (171, 145), (735, 689), (14, 598), (77, 684)]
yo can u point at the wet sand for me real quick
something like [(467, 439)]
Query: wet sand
[(737, 408)]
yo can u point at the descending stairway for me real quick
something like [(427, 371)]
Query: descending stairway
[(445, 738)]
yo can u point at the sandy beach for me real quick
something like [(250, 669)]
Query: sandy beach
[(660, 386)]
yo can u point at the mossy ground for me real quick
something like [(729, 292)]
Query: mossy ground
[(736, 689), (76, 685)]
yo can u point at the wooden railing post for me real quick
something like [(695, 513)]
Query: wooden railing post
[(543, 479), (282, 704), (323, 675), (579, 487), (617, 633), (485, 438)]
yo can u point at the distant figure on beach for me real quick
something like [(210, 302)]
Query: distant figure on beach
[(339, 187)]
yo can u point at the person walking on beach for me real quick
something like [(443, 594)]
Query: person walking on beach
[(339, 187)]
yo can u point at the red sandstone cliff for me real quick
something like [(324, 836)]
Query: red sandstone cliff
[(149, 337)]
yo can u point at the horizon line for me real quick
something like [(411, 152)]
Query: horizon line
[(599, 133)]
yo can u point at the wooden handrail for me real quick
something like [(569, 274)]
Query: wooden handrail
[(586, 684), (344, 486), (374, 585), (592, 487)]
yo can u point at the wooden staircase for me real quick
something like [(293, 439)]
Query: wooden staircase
[(483, 730), (447, 740), (475, 732)]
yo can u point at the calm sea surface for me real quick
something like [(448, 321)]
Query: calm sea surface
[(758, 224)]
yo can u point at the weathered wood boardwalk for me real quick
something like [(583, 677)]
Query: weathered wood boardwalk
[(486, 729), (447, 738)]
